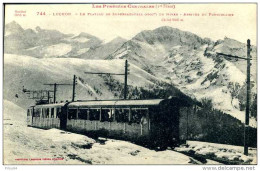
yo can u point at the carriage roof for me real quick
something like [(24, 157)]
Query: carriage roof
[(111, 103), (50, 105)]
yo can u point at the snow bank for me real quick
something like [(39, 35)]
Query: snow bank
[(13, 114), (57, 135), (121, 152), (222, 151)]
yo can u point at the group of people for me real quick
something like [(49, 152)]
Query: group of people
[(118, 115)]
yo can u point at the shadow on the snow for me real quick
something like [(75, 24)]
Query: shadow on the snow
[(76, 157)]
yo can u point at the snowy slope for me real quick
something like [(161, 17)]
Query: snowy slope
[(204, 77), (27, 145), (57, 50), (234, 47), (191, 63), (103, 50), (32, 73)]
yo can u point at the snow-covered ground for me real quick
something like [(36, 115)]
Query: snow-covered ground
[(220, 151), (27, 145)]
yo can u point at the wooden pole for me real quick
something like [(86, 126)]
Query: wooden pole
[(125, 88), (48, 96), (247, 99), (54, 95), (73, 89)]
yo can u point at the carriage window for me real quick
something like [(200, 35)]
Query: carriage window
[(58, 112), (72, 114), (47, 112), (28, 112), (106, 115), (94, 114), (139, 116), (83, 114), (37, 113), (43, 112), (122, 115), (52, 112)]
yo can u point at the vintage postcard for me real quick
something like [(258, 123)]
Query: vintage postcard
[(102, 84)]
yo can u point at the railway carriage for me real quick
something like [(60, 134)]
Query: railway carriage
[(154, 122), (45, 116)]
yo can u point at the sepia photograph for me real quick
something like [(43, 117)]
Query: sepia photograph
[(130, 84)]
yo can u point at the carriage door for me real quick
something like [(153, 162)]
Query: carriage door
[(169, 125), (63, 117)]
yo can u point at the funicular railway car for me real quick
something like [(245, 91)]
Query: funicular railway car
[(45, 116), (144, 121)]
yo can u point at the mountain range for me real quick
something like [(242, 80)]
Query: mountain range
[(183, 59)]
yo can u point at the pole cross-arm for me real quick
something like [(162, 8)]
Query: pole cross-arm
[(57, 84), (231, 56), (101, 73)]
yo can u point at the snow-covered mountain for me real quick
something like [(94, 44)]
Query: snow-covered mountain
[(44, 43), (191, 64), (20, 41), (165, 54)]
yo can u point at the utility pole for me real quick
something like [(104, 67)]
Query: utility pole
[(54, 95), (247, 99), (125, 74), (55, 89), (48, 96), (246, 137), (74, 85)]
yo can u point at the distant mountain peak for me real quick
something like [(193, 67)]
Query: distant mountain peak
[(166, 28), (13, 28), (87, 35), (233, 41), (13, 23), (169, 36), (118, 39)]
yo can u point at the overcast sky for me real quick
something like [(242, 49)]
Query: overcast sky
[(241, 26)]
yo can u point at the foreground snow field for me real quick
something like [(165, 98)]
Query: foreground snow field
[(26, 145), (220, 151)]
